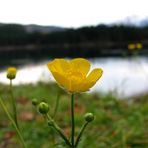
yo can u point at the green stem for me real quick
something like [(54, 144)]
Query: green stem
[(58, 129), (14, 124), (80, 134), (72, 121), (13, 104), (56, 106)]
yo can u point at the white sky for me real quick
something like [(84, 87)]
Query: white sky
[(70, 13)]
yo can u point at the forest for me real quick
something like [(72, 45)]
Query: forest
[(101, 40)]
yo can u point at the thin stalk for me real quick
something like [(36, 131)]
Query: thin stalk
[(72, 121), (80, 134), (13, 123), (13, 104), (56, 106), (58, 129)]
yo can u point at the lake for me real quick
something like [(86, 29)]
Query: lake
[(123, 76)]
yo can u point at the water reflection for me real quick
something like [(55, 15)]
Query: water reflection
[(125, 76)]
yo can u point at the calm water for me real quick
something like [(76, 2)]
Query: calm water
[(123, 76)]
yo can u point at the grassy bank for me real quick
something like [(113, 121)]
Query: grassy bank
[(118, 123)]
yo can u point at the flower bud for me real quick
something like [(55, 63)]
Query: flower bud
[(89, 117), (43, 108), (35, 102), (11, 73)]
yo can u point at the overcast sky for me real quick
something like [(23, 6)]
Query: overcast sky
[(70, 13)]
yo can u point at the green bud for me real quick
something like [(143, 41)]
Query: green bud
[(35, 102), (43, 108), (89, 117)]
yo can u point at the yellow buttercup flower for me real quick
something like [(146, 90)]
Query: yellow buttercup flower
[(73, 75), (139, 45), (131, 46), (11, 73)]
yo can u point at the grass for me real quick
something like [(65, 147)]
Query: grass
[(119, 123)]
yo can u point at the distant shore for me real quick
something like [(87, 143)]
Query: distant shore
[(89, 50)]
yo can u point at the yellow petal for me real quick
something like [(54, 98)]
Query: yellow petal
[(95, 74), (80, 64), (74, 87), (61, 80), (91, 80), (59, 65), (75, 82), (86, 86)]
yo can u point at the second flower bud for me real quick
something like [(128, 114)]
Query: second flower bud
[(43, 108)]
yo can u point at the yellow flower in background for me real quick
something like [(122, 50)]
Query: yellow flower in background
[(131, 46), (11, 73), (139, 46), (135, 46), (73, 75)]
